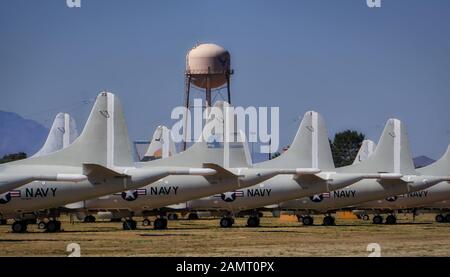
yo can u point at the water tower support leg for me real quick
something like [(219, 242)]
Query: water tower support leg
[(187, 89), (228, 89)]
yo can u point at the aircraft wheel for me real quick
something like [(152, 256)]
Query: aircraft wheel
[(42, 225), (226, 222), (253, 221), (328, 220), (146, 222), (377, 219), (3, 222), (440, 218), (19, 227), (193, 216), (365, 217), (129, 224), (307, 220), (172, 217), (447, 218), (89, 219), (391, 219), (160, 224), (53, 226)]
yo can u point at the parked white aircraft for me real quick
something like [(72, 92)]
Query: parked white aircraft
[(417, 199), (99, 163), (310, 149), (62, 133), (392, 154)]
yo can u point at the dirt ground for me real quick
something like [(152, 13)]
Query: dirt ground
[(203, 237)]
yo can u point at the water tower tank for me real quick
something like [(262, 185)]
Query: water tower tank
[(205, 61)]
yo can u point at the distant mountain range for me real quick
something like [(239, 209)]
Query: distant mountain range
[(18, 134), (422, 161)]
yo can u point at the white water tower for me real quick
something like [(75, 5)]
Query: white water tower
[(207, 68)]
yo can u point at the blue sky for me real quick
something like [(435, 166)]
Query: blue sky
[(355, 65)]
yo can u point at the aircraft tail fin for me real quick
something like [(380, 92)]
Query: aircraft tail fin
[(392, 154), (104, 140), (439, 167), (62, 133), (221, 143), (367, 148), (161, 145), (309, 149)]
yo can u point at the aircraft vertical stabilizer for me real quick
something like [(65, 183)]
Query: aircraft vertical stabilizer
[(439, 167), (392, 155), (62, 133), (367, 148), (310, 148), (161, 145), (104, 140)]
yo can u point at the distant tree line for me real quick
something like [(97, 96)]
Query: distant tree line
[(345, 147)]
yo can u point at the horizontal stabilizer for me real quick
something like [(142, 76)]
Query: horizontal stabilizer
[(96, 170), (310, 178), (221, 172)]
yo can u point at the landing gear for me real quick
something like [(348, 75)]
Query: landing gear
[(89, 219), (3, 222), (53, 226), (160, 223), (328, 220), (19, 226), (447, 218), (307, 220), (42, 225), (226, 222), (391, 219), (193, 216), (440, 218), (129, 224), (252, 221), (146, 222), (365, 217), (377, 219)]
